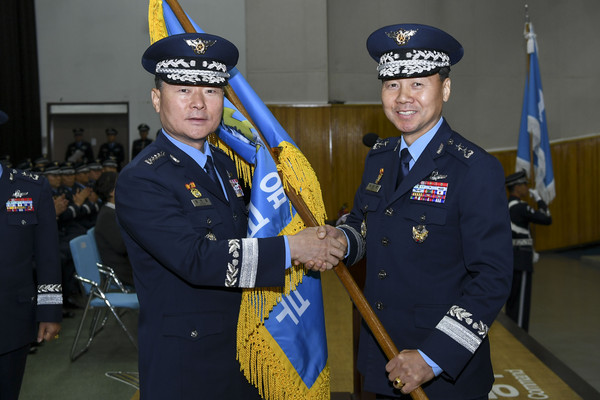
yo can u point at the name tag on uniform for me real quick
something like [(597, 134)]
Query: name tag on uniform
[(19, 205), (373, 187), (430, 191), (202, 202)]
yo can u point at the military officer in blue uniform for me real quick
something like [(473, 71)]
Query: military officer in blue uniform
[(522, 215), (112, 149), (143, 141), (30, 276), (184, 223), (79, 150), (430, 216)]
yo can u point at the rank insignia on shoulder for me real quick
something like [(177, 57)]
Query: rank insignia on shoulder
[(466, 152), (150, 160), (430, 191), (29, 175), (380, 143), (236, 187)]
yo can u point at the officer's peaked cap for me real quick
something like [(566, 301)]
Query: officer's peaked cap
[(412, 50), (198, 59)]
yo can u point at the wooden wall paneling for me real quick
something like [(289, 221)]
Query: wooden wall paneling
[(309, 128), (565, 207), (587, 187), (331, 139), (348, 126)]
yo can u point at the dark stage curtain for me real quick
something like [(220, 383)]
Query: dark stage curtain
[(20, 137)]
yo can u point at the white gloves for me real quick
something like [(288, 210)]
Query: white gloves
[(534, 193)]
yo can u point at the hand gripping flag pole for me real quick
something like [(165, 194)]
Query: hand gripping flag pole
[(309, 219)]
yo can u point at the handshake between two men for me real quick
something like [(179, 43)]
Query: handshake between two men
[(319, 248)]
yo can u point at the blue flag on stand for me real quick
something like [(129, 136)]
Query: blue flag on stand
[(534, 123), (282, 346)]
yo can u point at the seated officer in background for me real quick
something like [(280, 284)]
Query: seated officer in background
[(30, 289), (431, 218), (109, 165), (95, 172), (522, 214), (142, 142), (89, 209), (111, 247), (184, 223)]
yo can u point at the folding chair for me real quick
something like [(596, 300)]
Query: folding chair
[(89, 274), (116, 282)]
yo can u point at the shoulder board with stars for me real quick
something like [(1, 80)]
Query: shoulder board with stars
[(154, 157), (24, 175), (387, 144), (462, 149)]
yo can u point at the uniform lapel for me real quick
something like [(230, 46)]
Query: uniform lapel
[(425, 164), (194, 172)]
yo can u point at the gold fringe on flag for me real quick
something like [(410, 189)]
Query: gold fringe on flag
[(156, 22), (261, 359)]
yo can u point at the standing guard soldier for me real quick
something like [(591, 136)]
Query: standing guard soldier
[(142, 142), (30, 289), (112, 149), (522, 215), (79, 150), (431, 218)]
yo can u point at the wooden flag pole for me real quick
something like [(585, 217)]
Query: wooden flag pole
[(367, 313)]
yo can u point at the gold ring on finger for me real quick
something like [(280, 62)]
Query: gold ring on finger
[(398, 384)]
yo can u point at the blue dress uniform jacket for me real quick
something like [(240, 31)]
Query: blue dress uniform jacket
[(190, 259), (30, 275), (439, 260)]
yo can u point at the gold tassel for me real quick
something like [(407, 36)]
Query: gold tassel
[(261, 359), (156, 22)]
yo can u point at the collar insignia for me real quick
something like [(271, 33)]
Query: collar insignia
[(380, 143)]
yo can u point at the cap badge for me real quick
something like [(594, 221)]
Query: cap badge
[(200, 46), (402, 36)]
